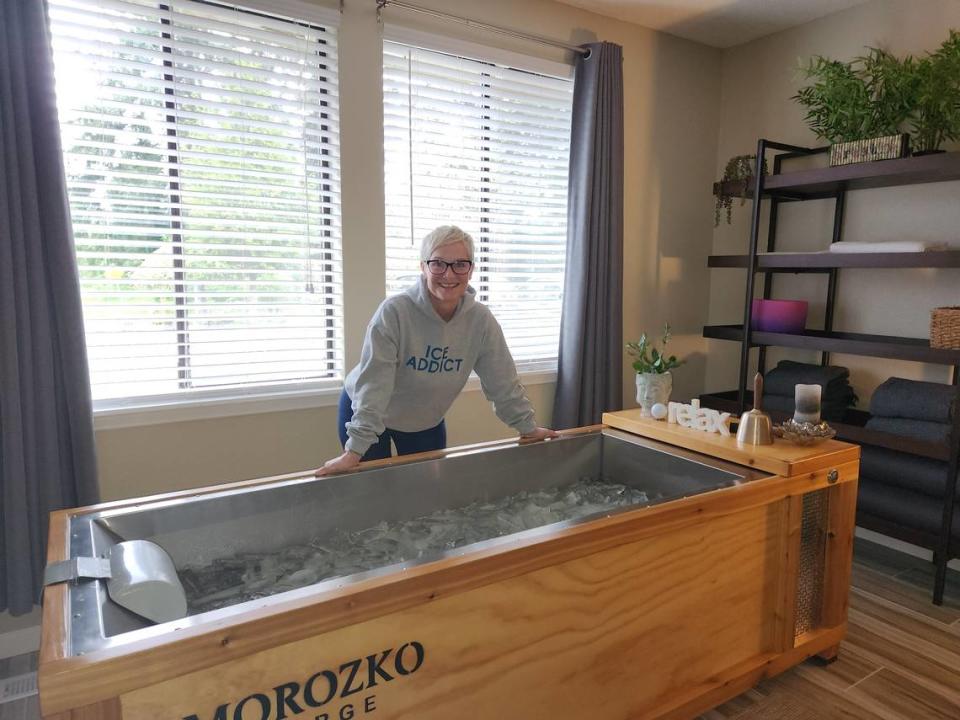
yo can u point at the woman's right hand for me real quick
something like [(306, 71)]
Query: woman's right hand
[(347, 461)]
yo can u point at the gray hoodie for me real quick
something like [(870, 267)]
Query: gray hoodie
[(414, 364)]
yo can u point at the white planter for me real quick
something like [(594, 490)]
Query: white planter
[(653, 388)]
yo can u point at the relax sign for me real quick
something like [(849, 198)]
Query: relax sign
[(697, 418)]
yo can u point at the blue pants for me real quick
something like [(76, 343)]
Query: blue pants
[(407, 443)]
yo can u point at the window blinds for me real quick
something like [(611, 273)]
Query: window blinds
[(201, 151), (484, 147)]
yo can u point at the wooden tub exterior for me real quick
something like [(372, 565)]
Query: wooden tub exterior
[(661, 612)]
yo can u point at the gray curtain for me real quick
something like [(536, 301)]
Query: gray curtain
[(591, 336), (46, 452)]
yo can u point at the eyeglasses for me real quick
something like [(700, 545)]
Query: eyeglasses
[(459, 267)]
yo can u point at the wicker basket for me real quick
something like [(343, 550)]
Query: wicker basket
[(879, 148), (945, 328)]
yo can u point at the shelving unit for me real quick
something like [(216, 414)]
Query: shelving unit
[(833, 183)]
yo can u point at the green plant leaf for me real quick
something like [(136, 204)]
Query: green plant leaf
[(649, 358), (879, 94), (739, 169)]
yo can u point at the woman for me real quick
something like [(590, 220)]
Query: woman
[(419, 351)]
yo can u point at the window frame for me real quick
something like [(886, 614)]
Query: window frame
[(202, 403), (212, 404), (399, 33), (251, 403), (393, 32)]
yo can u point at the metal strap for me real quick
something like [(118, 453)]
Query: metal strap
[(81, 568)]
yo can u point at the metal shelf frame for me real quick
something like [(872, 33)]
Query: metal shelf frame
[(834, 183)]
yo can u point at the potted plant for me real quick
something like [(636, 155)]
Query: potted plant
[(935, 111), (654, 381), (858, 106), (739, 169)]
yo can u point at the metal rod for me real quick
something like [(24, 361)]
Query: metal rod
[(838, 209), (805, 152), (942, 553), (381, 4), (751, 274), (771, 145), (828, 312), (771, 247), (768, 277)]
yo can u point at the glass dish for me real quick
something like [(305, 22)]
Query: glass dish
[(804, 433)]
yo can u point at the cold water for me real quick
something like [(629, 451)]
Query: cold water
[(247, 576)]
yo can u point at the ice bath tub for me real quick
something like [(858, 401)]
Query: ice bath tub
[(731, 571)]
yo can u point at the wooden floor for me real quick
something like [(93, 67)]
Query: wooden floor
[(900, 661)]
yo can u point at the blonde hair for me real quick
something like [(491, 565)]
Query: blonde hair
[(445, 235)]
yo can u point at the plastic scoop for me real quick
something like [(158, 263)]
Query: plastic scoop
[(144, 580)]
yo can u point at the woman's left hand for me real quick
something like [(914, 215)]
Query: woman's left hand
[(540, 433)]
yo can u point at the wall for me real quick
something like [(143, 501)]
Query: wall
[(758, 80), (671, 97), (153, 459), (19, 635)]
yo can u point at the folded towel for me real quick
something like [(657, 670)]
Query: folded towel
[(910, 472), (915, 399), (829, 410), (906, 508), (787, 374), (917, 429), (896, 246)]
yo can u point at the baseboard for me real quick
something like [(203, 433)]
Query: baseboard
[(904, 547), (20, 642)]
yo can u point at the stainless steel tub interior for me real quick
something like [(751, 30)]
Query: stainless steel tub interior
[(262, 519)]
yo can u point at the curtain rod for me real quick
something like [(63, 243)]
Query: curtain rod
[(381, 4)]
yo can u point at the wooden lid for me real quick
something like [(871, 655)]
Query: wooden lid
[(782, 458)]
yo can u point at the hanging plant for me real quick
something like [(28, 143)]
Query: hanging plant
[(739, 169)]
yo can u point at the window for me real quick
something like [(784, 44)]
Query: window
[(201, 151), (484, 147)]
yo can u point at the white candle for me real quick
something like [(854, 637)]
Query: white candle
[(807, 402)]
